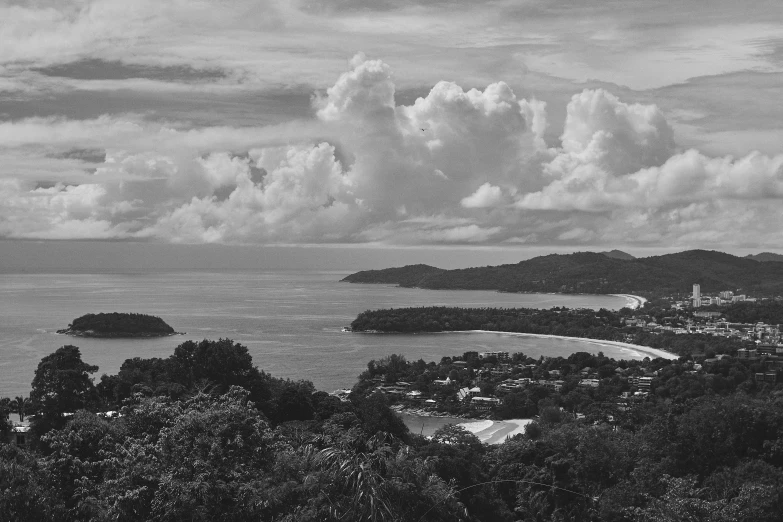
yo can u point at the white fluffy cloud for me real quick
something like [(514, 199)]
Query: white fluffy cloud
[(487, 195), (455, 166)]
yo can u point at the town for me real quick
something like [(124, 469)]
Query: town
[(504, 385), (703, 315)]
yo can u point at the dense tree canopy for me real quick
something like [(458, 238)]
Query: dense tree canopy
[(62, 382), (118, 325), (191, 443), (586, 323)]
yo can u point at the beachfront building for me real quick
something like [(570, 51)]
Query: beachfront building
[(484, 403), (501, 356)]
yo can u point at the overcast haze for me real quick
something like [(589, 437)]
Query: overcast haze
[(482, 132)]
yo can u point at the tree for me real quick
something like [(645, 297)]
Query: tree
[(61, 385), (20, 405), (5, 422)]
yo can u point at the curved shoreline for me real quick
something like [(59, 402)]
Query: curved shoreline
[(634, 301), (653, 352), (114, 335)]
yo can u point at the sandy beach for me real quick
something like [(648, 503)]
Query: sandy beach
[(488, 431), (496, 432), (634, 301), (633, 349)]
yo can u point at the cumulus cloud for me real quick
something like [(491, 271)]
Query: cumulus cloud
[(455, 166), (487, 195)]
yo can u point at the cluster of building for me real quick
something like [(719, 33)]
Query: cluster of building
[(710, 323), (725, 297), (473, 397)]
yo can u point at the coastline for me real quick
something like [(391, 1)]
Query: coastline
[(114, 335), (653, 352), (634, 301), (488, 431)]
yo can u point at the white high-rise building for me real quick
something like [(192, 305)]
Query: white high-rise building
[(696, 295)]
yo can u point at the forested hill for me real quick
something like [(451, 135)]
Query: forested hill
[(596, 273), (409, 276), (766, 257), (118, 325)]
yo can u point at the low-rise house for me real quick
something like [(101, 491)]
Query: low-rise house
[(643, 383), (19, 435), (552, 385), (414, 395), (484, 403), (393, 389), (510, 385), (766, 377), (501, 356)]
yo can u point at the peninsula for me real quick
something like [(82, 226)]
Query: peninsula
[(597, 273), (630, 328), (118, 325)]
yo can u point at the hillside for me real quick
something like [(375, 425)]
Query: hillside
[(765, 257), (596, 273), (118, 325), (408, 276), (618, 254)]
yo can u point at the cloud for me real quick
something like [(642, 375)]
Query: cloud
[(454, 166), (301, 196), (486, 195)]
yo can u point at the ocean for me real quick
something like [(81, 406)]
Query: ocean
[(290, 321)]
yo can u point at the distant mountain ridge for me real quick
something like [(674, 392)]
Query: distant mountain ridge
[(766, 257), (617, 254), (597, 273)]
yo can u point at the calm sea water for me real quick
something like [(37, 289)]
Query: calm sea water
[(290, 321)]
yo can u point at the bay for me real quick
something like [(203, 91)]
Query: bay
[(291, 321)]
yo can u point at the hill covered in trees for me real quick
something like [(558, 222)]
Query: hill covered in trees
[(603, 324), (766, 257), (204, 435), (118, 325), (618, 254), (597, 273)]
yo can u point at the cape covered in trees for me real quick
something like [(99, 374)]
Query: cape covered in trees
[(603, 325), (118, 325), (597, 273)]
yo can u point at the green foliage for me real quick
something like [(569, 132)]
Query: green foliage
[(770, 312), (61, 385), (585, 323), (698, 449), (119, 325)]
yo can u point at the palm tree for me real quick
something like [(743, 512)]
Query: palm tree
[(18, 405), (371, 481)]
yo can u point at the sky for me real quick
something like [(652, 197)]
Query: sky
[(379, 131)]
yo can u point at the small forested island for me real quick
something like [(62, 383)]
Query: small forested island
[(598, 273), (120, 325)]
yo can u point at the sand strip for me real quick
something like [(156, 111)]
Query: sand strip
[(633, 301), (496, 432), (635, 349)]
